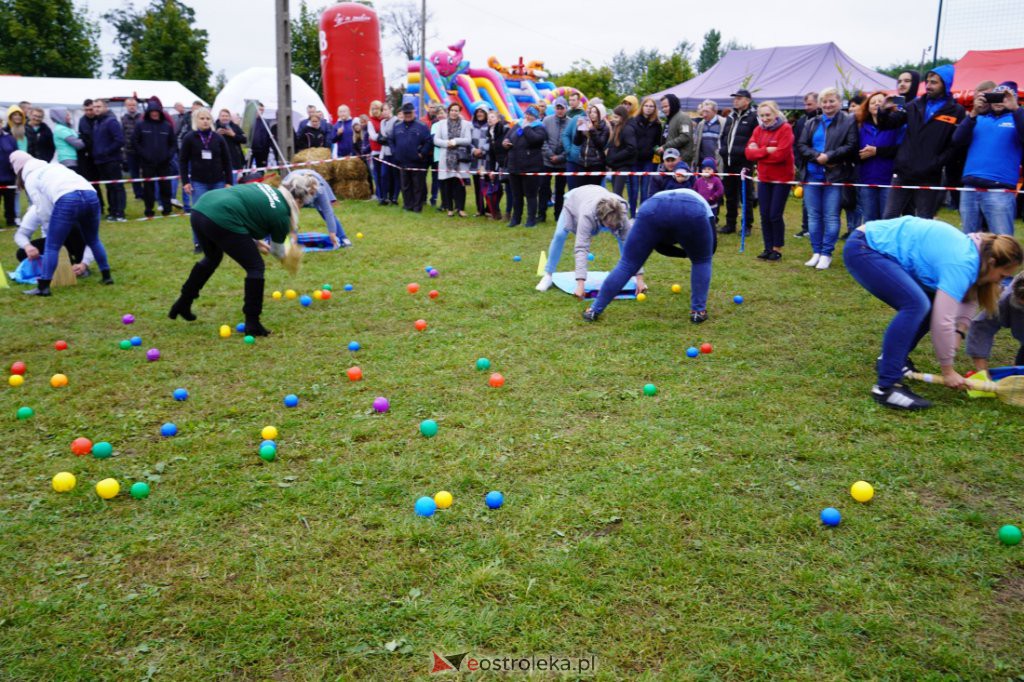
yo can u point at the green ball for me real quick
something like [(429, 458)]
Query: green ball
[(428, 427), (268, 453), (102, 450), (650, 389), (483, 364), (249, 339), (125, 345), (1009, 535), (139, 491), (25, 412), (327, 287)]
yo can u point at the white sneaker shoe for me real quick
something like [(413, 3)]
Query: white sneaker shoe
[(545, 283), (824, 262), (814, 260)]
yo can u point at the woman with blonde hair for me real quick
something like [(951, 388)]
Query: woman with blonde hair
[(204, 161)]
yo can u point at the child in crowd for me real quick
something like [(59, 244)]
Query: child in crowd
[(1009, 314), (709, 185), (681, 177)]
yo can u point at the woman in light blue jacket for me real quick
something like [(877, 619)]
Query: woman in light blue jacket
[(453, 138)]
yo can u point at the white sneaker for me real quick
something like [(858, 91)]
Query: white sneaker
[(545, 283), (814, 260), (824, 262)]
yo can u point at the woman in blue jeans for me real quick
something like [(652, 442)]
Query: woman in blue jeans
[(65, 199), (321, 201), (203, 162), (675, 223), (828, 147), (934, 276)]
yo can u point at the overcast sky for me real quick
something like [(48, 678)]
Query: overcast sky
[(873, 32)]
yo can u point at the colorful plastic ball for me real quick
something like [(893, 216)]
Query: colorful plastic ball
[(136, 340), (830, 516), (349, 287), (641, 297), (428, 427), (18, 367), (64, 482), (126, 344), (737, 299), (798, 191), (354, 373), (318, 295), (268, 433), (153, 354), (61, 345), (102, 450), (168, 430), (15, 380), (432, 272), (25, 412), (434, 293), (381, 404), (516, 259), (276, 295), (108, 488), (268, 453), (706, 348), (496, 380), (420, 325), (692, 352), (428, 268), (291, 400), (425, 506), (59, 380), (676, 289), (306, 301), (180, 394), (139, 490), (590, 256), (354, 346), (650, 389), (359, 235), (494, 499), (1009, 535), (862, 491), (240, 327), (225, 331), (443, 499), (325, 295), (412, 288), (81, 446), (290, 294), (327, 287), (128, 319), (249, 339), (483, 364)]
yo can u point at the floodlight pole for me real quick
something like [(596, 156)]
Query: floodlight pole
[(423, 58), (285, 132), (935, 50)]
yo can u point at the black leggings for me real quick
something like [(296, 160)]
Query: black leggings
[(453, 191), (216, 241), (524, 187)]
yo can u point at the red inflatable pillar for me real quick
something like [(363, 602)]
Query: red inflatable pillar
[(350, 61)]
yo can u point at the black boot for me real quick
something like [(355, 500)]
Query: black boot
[(107, 279), (183, 307), (253, 307), (42, 288)]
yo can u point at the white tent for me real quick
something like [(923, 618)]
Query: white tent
[(69, 93), (260, 83)]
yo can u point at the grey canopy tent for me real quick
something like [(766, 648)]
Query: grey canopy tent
[(783, 74)]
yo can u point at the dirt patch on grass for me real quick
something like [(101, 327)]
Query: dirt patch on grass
[(1002, 631)]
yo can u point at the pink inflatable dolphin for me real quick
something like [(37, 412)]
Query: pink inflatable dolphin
[(447, 63)]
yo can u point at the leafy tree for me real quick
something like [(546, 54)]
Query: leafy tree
[(219, 81), (628, 69), (52, 38), (306, 47), (710, 51), (663, 73), (403, 22), (593, 81)]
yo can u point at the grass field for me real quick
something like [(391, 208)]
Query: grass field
[(675, 537)]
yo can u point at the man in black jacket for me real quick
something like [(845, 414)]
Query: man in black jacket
[(129, 119), (260, 143), (928, 146), (155, 143), (86, 164), (108, 155), (739, 126), (412, 148)]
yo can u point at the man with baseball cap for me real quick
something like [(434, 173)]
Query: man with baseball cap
[(739, 126)]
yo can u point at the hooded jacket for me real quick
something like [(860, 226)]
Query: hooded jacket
[(633, 103), (154, 141), (679, 129), (994, 144), (915, 84), (928, 145), (660, 183), (622, 156), (107, 139), (591, 143), (524, 156), (736, 134), (22, 143)]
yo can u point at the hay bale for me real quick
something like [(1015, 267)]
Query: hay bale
[(329, 171), (312, 154), (351, 170), (351, 189)]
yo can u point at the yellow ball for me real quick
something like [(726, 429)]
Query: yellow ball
[(290, 294), (443, 499), (63, 482), (798, 191), (359, 235), (269, 433), (58, 380), (16, 380), (276, 295), (108, 488), (318, 294), (641, 296), (225, 331), (862, 491), (676, 288)]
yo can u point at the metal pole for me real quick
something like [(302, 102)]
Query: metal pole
[(423, 59), (285, 132), (935, 51)]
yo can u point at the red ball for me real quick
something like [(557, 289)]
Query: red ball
[(81, 446), (420, 325), (18, 368), (496, 380), (705, 348), (325, 295), (355, 374), (61, 345), (413, 288), (434, 293)]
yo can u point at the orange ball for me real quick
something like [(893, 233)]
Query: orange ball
[(420, 325), (81, 446), (434, 293), (496, 380), (355, 374), (705, 348), (325, 295), (413, 288), (58, 380)]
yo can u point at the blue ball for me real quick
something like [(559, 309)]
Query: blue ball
[(306, 301), (136, 340), (291, 400), (737, 299), (354, 346), (494, 499), (240, 327), (692, 352), (428, 269), (830, 516), (168, 430), (590, 256), (349, 287), (517, 258), (180, 394), (269, 442), (425, 506)]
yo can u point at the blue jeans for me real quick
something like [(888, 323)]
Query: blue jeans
[(871, 201), (999, 209), (134, 171), (887, 281), (78, 210), (666, 218), (640, 185), (322, 203), (572, 181), (558, 243), (198, 190), (378, 176), (823, 206), (771, 200)]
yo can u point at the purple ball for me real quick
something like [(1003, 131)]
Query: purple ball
[(433, 272), (153, 354), (381, 404), (128, 319)]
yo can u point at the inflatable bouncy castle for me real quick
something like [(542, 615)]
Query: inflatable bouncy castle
[(350, 57), (509, 91)]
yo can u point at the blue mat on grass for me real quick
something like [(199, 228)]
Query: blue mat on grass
[(566, 281), (316, 241)]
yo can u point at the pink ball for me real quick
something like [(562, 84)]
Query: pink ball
[(381, 404), (128, 319), (153, 354)]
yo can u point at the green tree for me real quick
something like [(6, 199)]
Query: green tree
[(664, 72), (628, 69), (306, 47), (162, 43), (710, 51), (593, 81), (52, 38)]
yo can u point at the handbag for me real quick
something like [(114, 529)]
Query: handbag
[(463, 154)]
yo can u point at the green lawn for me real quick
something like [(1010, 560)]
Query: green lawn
[(675, 537)]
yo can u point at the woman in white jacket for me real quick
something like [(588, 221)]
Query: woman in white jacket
[(455, 137), (68, 202)]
